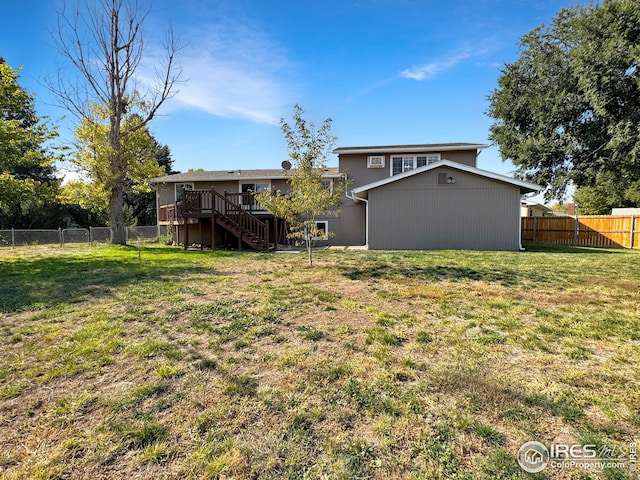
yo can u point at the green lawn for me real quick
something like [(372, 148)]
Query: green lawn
[(383, 365)]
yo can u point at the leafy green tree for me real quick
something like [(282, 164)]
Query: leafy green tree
[(606, 193), (308, 196), (142, 204), (139, 157), (88, 202), (568, 110), (103, 43), (27, 182)]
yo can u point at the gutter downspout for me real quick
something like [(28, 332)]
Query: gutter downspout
[(366, 215), (520, 247)]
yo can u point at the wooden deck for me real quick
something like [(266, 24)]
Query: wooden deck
[(238, 214)]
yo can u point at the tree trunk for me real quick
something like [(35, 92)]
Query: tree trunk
[(116, 215), (309, 251)]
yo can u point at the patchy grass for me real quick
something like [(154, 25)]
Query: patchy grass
[(426, 365)]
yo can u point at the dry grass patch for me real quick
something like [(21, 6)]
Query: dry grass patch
[(370, 365)]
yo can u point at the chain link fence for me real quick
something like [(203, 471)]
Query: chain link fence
[(65, 236)]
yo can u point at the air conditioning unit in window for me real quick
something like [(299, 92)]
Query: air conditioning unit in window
[(375, 161)]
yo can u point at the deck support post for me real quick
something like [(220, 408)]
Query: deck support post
[(266, 236), (275, 233), (213, 231), (186, 234), (200, 231)]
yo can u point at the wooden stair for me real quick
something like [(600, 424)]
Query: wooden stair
[(231, 216)]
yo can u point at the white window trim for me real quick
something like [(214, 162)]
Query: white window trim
[(326, 230), (181, 185), (372, 165), (415, 160), (330, 180)]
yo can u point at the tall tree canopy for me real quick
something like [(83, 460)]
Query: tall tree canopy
[(568, 110), (308, 195), (27, 177), (142, 157), (103, 40)]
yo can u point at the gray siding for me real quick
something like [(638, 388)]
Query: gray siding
[(356, 164), (417, 213), (351, 225)]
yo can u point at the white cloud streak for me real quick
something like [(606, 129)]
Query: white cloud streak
[(231, 69), (444, 63)]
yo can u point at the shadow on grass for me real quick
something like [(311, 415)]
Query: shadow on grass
[(504, 276), (545, 248), (33, 283), (505, 268)]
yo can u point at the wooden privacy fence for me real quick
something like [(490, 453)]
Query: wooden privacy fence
[(584, 231)]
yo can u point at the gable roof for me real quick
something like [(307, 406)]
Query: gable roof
[(416, 148), (230, 175), (525, 187)]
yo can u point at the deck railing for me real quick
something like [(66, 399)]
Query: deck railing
[(204, 203), (247, 200), (169, 212)]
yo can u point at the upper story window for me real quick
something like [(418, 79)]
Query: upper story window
[(401, 164)]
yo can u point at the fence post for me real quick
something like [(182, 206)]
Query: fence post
[(61, 237), (535, 228), (575, 231), (632, 240), (13, 237), (90, 235)]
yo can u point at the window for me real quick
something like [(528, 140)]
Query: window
[(248, 190), (323, 230), (404, 164), (375, 161), (180, 187), (254, 187), (327, 184), (426, 160)]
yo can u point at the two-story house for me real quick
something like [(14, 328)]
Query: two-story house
[(429, 196)]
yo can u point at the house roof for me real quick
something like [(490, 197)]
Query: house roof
[(530, 203), (418, 148), (230, 175), (525, 187)]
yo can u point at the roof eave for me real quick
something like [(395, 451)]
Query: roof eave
[(409, 148)]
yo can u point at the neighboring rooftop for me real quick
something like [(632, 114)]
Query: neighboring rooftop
[(222, 175), (419, 148)]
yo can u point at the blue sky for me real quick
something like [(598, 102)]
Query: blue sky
[(386, 71)]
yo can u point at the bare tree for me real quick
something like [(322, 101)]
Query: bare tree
[(103, 42)]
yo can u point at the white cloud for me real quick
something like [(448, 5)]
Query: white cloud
[(231, 69), (446, 62)]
